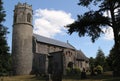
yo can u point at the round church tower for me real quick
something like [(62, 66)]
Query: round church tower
[(22, 39)]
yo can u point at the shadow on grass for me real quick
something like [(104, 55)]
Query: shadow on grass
[(107, 76), (71, 77), (113, 79), (38, 77)]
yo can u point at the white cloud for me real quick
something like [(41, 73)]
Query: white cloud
[(109, 35), (51, 22), (107, 14)]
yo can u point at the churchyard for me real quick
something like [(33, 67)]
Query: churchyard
[(106, 76)]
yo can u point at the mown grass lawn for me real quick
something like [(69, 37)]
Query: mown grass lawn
[(107, 76)]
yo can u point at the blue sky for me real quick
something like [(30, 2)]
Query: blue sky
[(49, 19)]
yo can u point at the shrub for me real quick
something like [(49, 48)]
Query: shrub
[(72, 72), (77, 71), (68, 71), (99, 69)]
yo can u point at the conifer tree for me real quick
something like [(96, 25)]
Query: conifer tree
[(4, 49), (100, 58), (91, 23)]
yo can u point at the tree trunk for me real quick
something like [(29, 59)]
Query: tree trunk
[(116, 60)]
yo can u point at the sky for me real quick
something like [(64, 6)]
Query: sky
[(50, 18)]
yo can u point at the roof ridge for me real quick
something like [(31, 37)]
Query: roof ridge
[(50, 38), (52, 41)]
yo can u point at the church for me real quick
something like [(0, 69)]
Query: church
[(34, 53)]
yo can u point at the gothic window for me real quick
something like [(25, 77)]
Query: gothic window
[(28, 17)]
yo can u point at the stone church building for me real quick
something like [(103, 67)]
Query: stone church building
[(35, 53)]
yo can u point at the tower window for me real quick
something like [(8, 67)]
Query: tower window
[(28, 17)]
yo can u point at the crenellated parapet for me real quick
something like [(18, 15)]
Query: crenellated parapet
[(23, 14), (23, 5)]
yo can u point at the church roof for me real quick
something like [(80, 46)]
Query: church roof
[(42, 39), (81, 56)]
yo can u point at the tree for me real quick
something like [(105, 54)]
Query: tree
[(92, 65), (100, 58), (92, 22), (110, 58), (4, 49), (92, 62)]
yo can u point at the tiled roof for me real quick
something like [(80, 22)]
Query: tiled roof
[(52, 41)]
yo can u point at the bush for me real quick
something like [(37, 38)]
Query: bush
[(77, 71), (74, 71), (68, 71), (3, 72), (99, 69)]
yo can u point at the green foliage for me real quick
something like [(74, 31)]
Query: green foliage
[(100, 58), (85, 2), (113, 61), (68, 71), (92, 62), (77, 71), (99, 69), (73, 72), (4, 49), (91, 23), (2, 13), (110, 58), (88, 24)]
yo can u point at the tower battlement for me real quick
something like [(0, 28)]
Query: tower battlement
[(23, 13), (23, 5)]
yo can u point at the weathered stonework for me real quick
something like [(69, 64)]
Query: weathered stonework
[(30, 52), (22, 39), (69, 55)]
